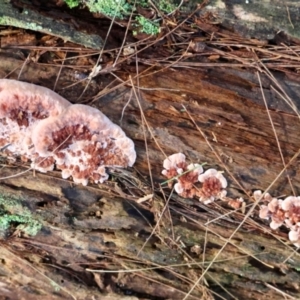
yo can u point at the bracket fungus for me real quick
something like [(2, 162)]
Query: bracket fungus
[(83, 141), (213, 186), (39, 125), (174, 165), (186, 175), (22, 107), (208, 186), (282, 213)]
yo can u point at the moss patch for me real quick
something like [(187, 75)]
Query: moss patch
[(13, 213), (122, 9)]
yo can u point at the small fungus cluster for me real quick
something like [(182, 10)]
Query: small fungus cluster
[(192, 182), (281, 212), (37, 124)]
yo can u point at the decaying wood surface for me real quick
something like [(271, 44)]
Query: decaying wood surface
[(103, 227), (27, 18), (259, 19)]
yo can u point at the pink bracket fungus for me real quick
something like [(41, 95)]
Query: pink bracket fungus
[(294, 235), (190, 180), (186, 175), (22, 107), (274, 211), (83, 141), (186, 185), (39, 125), (282, 213), (213, 186), (174, 165), (235, 203)]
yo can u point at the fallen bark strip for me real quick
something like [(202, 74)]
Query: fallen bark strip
[(29, 19)]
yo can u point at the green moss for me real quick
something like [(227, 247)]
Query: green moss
[(123, 8), (25, 224), (146, 26), (72, 3), (166, 6), (143, 3), (110, 8), (13, 213)]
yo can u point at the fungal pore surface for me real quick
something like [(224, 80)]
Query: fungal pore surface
[(192, 181), (284, 212), (208, 186), (83, 141), (39, 125), (22, 107)]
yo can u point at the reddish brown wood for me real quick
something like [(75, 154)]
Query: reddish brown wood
[(227, 106)]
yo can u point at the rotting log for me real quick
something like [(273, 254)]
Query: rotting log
[(259, 19), (264, 20), (28, 18), (104, 227), (73, 238)]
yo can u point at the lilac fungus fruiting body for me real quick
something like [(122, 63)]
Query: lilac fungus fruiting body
[(284, 212), (190, 181), (213, 173), (174, 161), (83, 141), (39, 125), (22, 107)]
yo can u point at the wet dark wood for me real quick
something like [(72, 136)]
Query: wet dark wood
[(73, 239), (227, 106)]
